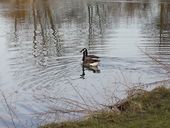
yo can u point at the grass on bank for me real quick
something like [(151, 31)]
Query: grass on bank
[(145, 110)]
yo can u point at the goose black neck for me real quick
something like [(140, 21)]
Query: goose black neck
[(85, 53)]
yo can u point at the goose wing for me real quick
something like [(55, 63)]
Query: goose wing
[(91, 60), (92, 56)]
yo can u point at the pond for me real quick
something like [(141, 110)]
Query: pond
[(40, 65)]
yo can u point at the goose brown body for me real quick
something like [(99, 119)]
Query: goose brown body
[(89, 60)]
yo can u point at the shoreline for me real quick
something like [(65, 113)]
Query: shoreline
[(146, 108)]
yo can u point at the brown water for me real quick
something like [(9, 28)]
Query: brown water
[(40, 42)]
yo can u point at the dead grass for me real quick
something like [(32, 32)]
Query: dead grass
[(143, 110)]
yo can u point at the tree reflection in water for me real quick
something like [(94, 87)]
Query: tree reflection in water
[(46, 39)]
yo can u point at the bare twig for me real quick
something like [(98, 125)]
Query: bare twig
[(166, 67), (80, 96), (9, 109)]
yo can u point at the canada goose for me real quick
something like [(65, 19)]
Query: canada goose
[(89, 60)]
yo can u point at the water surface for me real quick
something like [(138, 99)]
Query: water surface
[(40, 59)]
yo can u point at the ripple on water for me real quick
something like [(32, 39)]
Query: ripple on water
[(41, 50)]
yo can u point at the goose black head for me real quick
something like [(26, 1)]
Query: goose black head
[(83, 50)]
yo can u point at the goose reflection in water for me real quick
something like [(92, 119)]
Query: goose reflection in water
[(94, 69)]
